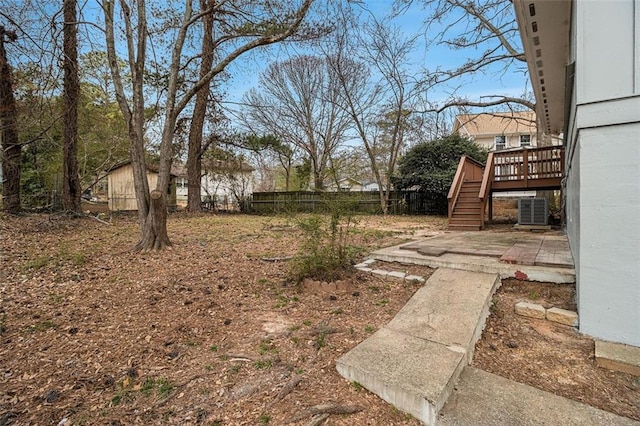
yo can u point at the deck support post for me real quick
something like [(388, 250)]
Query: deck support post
[(490, 206)]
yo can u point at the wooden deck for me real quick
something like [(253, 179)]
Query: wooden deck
[(514, 170), (527, 169)]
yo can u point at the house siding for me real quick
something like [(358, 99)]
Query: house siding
[(512, 141), (602, 192), (609, 222), (606, 49)]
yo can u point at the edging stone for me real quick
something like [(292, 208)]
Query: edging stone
[(531, 310), (562, 316)]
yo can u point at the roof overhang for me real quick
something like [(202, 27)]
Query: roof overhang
[(545, 28)]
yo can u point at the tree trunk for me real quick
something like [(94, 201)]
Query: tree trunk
[(194, 155), (154, 230), (11, 147), (71, 190)]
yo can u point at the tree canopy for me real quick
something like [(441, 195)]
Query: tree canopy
[(431, 166)]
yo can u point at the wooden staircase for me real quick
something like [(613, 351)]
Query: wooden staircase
[(511, 170), (466, 215)]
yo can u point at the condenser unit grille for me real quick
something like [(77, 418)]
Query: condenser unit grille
[(533, 211)]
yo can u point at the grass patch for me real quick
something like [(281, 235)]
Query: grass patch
[(42, 326), (263, 364)]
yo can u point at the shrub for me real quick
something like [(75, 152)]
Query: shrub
[(326, 251)]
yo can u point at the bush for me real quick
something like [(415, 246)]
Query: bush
[(431, 166), (326, 252)]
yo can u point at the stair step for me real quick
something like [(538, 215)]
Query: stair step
[(466, 215), (474, 210), (466, 219), (456, 227)]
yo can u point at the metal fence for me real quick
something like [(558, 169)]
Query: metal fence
[(400, 202)]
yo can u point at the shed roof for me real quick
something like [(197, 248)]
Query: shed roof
[(496, 123), (153, 168)]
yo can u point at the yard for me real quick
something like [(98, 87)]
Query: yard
[(212, 331), (205, 333)]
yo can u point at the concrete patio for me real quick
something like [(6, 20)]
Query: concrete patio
[(524, 255), (419, 362)]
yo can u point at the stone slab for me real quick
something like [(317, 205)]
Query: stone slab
[(412, 246), (431, 251), (555, 252), (417, 278), (396, 274), (522, 252), (563, 316), (379, 272), (414, 375), (484, 399), (449, 308), (531, 310), (618, 357)]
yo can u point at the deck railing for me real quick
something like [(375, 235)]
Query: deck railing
[(528, 164), (468, 169)]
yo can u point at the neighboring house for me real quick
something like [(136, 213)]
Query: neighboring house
[(498, 130), (370, 186), (120, 188), (344, 184), (224, 184), (228, 184), (584, 63)]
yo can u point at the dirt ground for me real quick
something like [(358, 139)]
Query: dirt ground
[(211, 332), (550, 356), (205, 333)]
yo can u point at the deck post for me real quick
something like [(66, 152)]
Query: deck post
[(525, 166), (490, 206)]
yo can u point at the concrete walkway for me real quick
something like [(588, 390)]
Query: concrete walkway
[(484, 399), (419, 362)]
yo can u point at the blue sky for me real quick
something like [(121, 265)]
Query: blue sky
[(246, 71)]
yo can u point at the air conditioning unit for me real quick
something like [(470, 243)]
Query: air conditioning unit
[(533, 211)]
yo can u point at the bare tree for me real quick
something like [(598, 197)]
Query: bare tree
[(194, 155), (485, 31), (298, 101), (379, 110), (71, 189), (263, 23), (11, 148)]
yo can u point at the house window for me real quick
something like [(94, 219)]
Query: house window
[(501, 142), (181, 183), (525, 140)]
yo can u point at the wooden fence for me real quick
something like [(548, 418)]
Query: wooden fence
[(400, 202)]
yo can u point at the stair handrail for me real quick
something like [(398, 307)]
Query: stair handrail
[(485, 187), (456, 185)]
